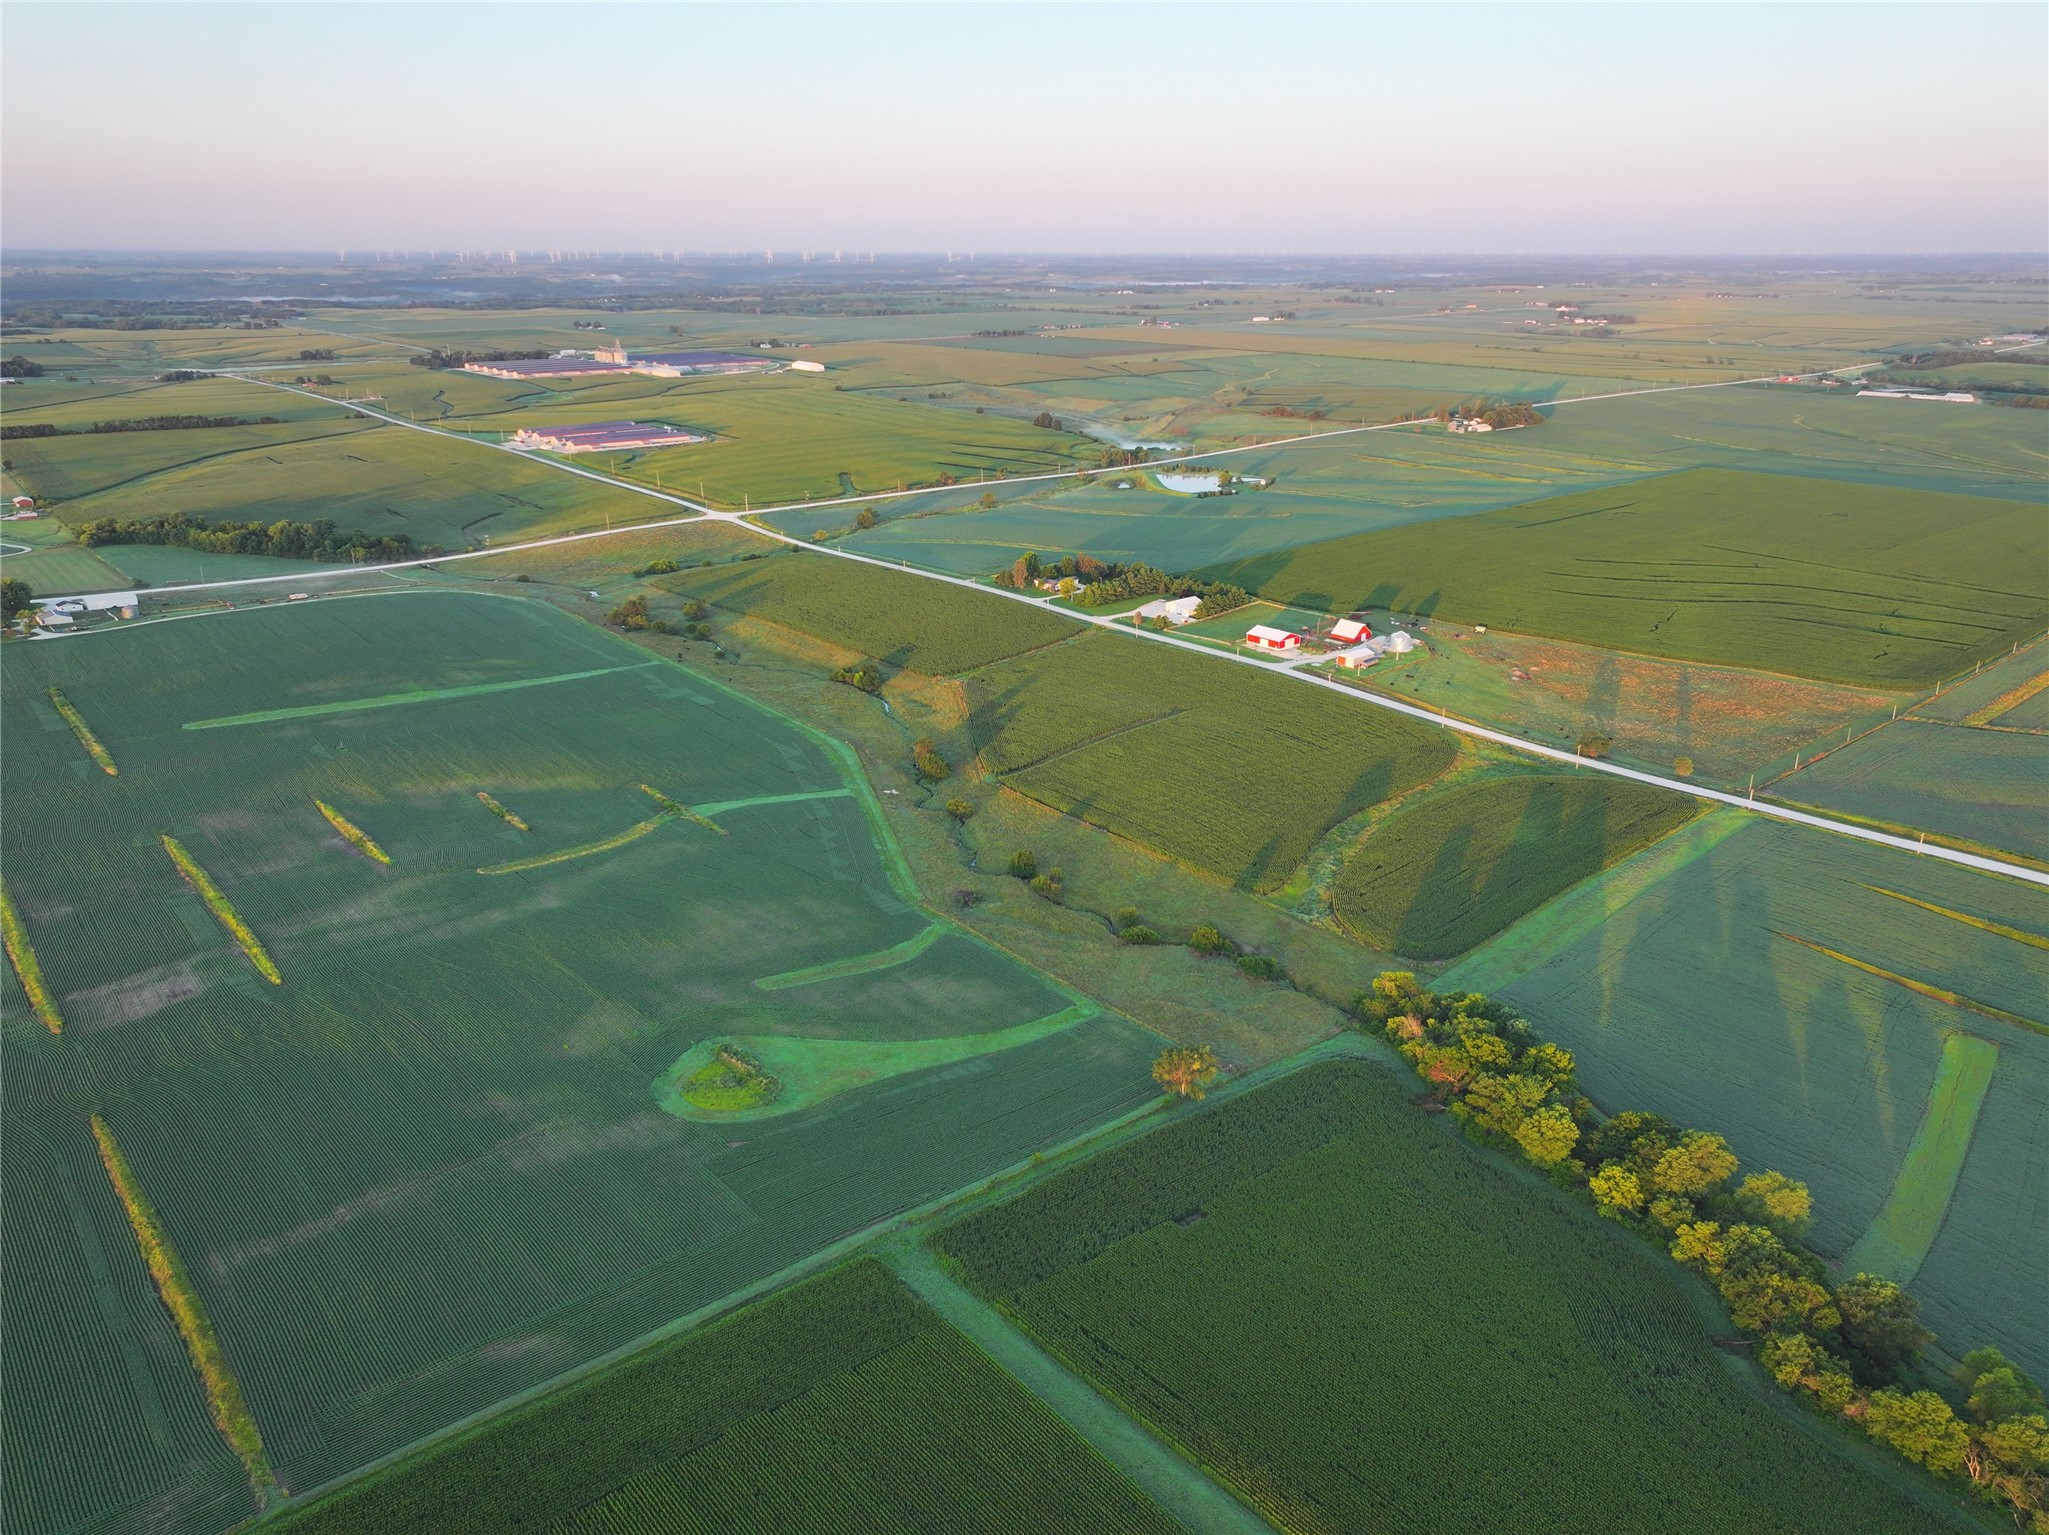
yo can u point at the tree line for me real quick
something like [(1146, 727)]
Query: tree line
[(1851, 1348), (437, 358), (1097, 583), (135, 424), (284, 539)]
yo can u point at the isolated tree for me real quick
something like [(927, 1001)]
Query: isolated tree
[(1207, 939), (1186, 1071), (959, 809), (865, 518), (988, 501), (1024, 864)]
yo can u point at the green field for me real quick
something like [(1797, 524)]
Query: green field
[(1986, 787), (904, 620), (1360, 1324), (842, 1404), (385, 479), (434, 1167), (1208, 762), (1854, 584), (1365, 482), (1455, 867), (1711, 990)]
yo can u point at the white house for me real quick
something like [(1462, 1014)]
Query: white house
[(1264, 637), (1180, 610), (1349, 631)]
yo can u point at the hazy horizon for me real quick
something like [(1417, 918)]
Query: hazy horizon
[(1678, 131)]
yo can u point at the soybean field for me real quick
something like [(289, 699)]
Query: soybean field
[(1859, 584), (1811, 997), (1358, 1323), (441, 1157)]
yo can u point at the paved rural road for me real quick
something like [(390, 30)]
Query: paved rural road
[(698, 512)]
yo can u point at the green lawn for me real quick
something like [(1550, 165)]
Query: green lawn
[(1847, 583)]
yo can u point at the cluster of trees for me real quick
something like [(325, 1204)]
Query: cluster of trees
[(633, 614), (137, 424), (1099, 582), (930, 764), (866, 676), (1123, 458), (1049, 421), (443, 359), (285, 539), (1048, 886), (15, 599), (317, 354), (1289, 413), (1499, 416), (1852, 1348), (1186, 1071), (19, 366)]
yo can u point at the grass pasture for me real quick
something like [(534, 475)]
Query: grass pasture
[(1234, 774), (1842, 583), (1734, 984), (1989, 788), (1452, 868), (433, 1167), (841, 1404), (1359, 1324)]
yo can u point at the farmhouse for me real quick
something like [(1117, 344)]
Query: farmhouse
[(1265, 638), (1179, 611), (603, 437), (1349, 631), (59, 611), (1468, 424)]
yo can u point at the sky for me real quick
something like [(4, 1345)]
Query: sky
[(1199, 128)]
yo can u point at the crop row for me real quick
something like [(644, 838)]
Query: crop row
[(223, 911), (353, 834), (83, 731), (223, 1391), (502, 813), (22, 955)]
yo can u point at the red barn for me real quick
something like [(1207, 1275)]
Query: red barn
[(1264, 638)]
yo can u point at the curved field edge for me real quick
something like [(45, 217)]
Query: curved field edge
[(1452, 868), (1906, 1226), (813, 1070), (167, 1271), (618, 1441), (1151, 1270)]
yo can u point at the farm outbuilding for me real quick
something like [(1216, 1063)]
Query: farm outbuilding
[(603, 437), (24, 503), (1266, 638), (1349, 631), (1400, 643), (1179, 610)]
